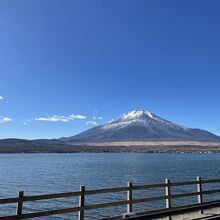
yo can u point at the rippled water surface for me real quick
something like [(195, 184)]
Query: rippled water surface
[(53, 173)]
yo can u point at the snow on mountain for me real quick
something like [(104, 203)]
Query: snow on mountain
[(142, 118), (142, 125)]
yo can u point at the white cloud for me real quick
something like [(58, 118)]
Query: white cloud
[(3, 98), (53, 118), (60, 118), (91, 123), (77, 116), (111, 120), (97, 118), (4, 120), (25, 122)]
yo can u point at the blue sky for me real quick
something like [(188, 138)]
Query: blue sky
[(64, 62)]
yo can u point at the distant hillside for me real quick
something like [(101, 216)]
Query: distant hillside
[(14, 145)]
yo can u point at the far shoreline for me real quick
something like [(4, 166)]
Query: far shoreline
[(177, 147), (117, 152)]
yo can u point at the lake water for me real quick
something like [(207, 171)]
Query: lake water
[(53, 173)]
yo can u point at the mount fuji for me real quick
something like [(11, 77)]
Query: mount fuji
[(140, 125), (136, 131)]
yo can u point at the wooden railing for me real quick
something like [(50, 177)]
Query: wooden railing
[(130, 188)]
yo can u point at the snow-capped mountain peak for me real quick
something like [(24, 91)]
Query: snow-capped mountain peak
[(141, 118), (136, 114)]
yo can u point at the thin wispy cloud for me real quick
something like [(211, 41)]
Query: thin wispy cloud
[(3, 99), (91, 123), (97, 118), (25, 122), (4, 120), (111, 120), (60, 118), (77, 116)]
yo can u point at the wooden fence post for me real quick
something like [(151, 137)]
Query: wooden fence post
[(129, 197), (168, 194), (199, 190), (20, 204), (81, 203)]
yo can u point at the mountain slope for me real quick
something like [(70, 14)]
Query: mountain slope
[(142, 125)]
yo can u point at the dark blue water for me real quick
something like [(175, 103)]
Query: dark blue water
[(53, 173)]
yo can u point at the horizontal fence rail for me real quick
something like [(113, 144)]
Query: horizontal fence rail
[(130, 189)]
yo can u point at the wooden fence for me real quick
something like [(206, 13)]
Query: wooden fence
[(129, 201)]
